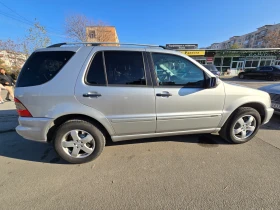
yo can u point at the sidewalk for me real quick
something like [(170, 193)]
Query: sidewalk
[(8, 115)]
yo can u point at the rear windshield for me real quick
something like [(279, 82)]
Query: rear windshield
[(41, 67)]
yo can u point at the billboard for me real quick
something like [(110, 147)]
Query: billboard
[(181, 46)]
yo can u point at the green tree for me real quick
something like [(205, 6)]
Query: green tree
[(235, 46), (36, 38)]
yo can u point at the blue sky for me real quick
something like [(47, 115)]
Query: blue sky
[(147, 21)]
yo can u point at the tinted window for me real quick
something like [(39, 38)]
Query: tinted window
[(41, 67), (96, 74), (266, 68), (176, 70), (211, 67), (125, 68)]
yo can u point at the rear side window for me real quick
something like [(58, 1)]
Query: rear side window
[(41, 67), (96, 74), (124, 68)]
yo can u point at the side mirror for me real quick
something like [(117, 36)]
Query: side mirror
[(213, 82)]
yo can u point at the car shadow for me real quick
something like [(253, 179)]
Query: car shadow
[(15, 147), (205, 140)]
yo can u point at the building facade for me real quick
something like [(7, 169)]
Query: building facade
[(101, 34), (236, 59), (254, 39)]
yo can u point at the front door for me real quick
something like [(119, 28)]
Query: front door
[(182, 101), (116, 87)]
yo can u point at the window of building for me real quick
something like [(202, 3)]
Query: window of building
[(217, 61), (125, 68), (92, 34), (227, 61), (96, 74), (175, 70)]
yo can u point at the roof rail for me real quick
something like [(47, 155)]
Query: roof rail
[(100, 43)]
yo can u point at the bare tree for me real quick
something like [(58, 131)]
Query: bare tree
[(272, 39), (36, 38), (78, 27), (75, 27)]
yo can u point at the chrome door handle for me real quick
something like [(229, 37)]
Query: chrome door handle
[(164, 94), (92, 94)]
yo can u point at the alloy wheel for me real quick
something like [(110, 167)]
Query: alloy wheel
[(244, 127), (78, 143)]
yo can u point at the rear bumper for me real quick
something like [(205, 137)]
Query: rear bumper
[(269, 113), (33, 128)]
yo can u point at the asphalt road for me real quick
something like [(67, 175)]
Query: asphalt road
[(183, 172)]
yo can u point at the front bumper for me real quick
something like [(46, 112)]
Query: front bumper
[(269, 113), (33, 128)]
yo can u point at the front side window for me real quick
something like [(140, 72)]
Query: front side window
[(124, 68), (177, 71)]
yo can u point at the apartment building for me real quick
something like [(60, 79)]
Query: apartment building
[(255, 39)]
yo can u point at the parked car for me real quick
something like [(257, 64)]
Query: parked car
[(80, 96), (264, 72), (274, 92), (213, 69)]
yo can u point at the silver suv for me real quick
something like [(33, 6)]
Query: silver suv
[(79, 96)]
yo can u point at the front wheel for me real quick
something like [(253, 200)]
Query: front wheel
[(79, 141), (242, 126)]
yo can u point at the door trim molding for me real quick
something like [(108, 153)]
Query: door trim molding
[(173, 133)]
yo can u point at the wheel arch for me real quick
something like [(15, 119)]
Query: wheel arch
[(255, 105), (60, 120)]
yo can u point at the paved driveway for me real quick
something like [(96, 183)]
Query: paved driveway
[(183, 172)]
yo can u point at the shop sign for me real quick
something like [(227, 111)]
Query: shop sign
[(194, 53), (181, 46)]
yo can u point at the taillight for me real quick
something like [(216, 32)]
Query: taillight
[(21, 109)]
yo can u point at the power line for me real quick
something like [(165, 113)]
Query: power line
[(26, 21), (15, 12), (14, 18)]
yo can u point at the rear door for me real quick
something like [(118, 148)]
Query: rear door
[(253, 73), (116, 84), (265, 72)]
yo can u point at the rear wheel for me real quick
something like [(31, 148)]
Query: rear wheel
[(241, 76), (78, 141), (242, 126)]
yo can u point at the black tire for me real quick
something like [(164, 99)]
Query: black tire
[(227, 130), (93, 130), (241, 76), (271, 78)]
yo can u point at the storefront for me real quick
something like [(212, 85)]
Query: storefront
[(237, 59)]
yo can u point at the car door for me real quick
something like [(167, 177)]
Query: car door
[(252, 73), (183, 103), (115, 84), (265, 72)]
